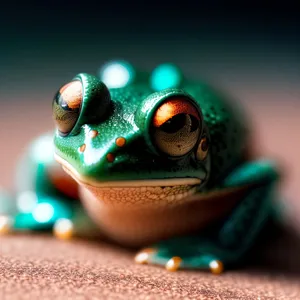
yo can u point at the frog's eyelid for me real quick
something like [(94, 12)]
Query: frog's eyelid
[(171, 108), (93, 89)]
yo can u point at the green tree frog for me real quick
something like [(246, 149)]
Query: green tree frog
[(150, 160)]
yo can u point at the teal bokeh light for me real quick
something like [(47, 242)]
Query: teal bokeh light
[(117, 74), (165, 76)]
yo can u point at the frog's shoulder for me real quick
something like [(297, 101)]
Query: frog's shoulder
[(227, 124)]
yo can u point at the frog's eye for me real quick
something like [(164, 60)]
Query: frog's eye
[(176, 127), (66, 106)]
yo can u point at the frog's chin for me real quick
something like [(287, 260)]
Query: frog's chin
[(69, 169), (172, 190)]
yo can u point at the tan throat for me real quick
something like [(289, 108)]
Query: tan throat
[(146, 225)]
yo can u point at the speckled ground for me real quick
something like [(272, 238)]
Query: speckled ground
[(40, 267)]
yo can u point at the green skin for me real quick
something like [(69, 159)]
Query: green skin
[(129, 115)]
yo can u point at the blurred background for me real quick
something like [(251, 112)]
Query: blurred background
[(250, 51)]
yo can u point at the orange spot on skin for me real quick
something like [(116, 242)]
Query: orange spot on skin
[(120, 141), (82, 148), (93, 133), (72, 94), (110, 157), (173, 107)]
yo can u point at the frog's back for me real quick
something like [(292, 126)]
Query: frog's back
[(227, 126)]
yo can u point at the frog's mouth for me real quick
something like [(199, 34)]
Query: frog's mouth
[(133, 191)]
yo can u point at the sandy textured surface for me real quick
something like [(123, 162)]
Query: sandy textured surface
[(40, 267)]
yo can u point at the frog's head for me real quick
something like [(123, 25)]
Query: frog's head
[(131, 145)]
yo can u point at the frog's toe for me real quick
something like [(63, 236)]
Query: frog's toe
[(216, 267), (151, 256), (6, 223), (202, 262), (63, 229), (172, 263), (143, 257)]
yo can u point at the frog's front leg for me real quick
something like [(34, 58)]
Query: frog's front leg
[(48, 213), (65, 217), (38, 211), (227, 244), (45, 198)]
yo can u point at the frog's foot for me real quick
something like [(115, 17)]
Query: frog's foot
[(233, 237), (64, 229), (5, 224), (44, 214), (80, 225), (66, 219), (163, 257)]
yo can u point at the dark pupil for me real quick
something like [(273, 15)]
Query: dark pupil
[(195, 123), (177, 122)]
